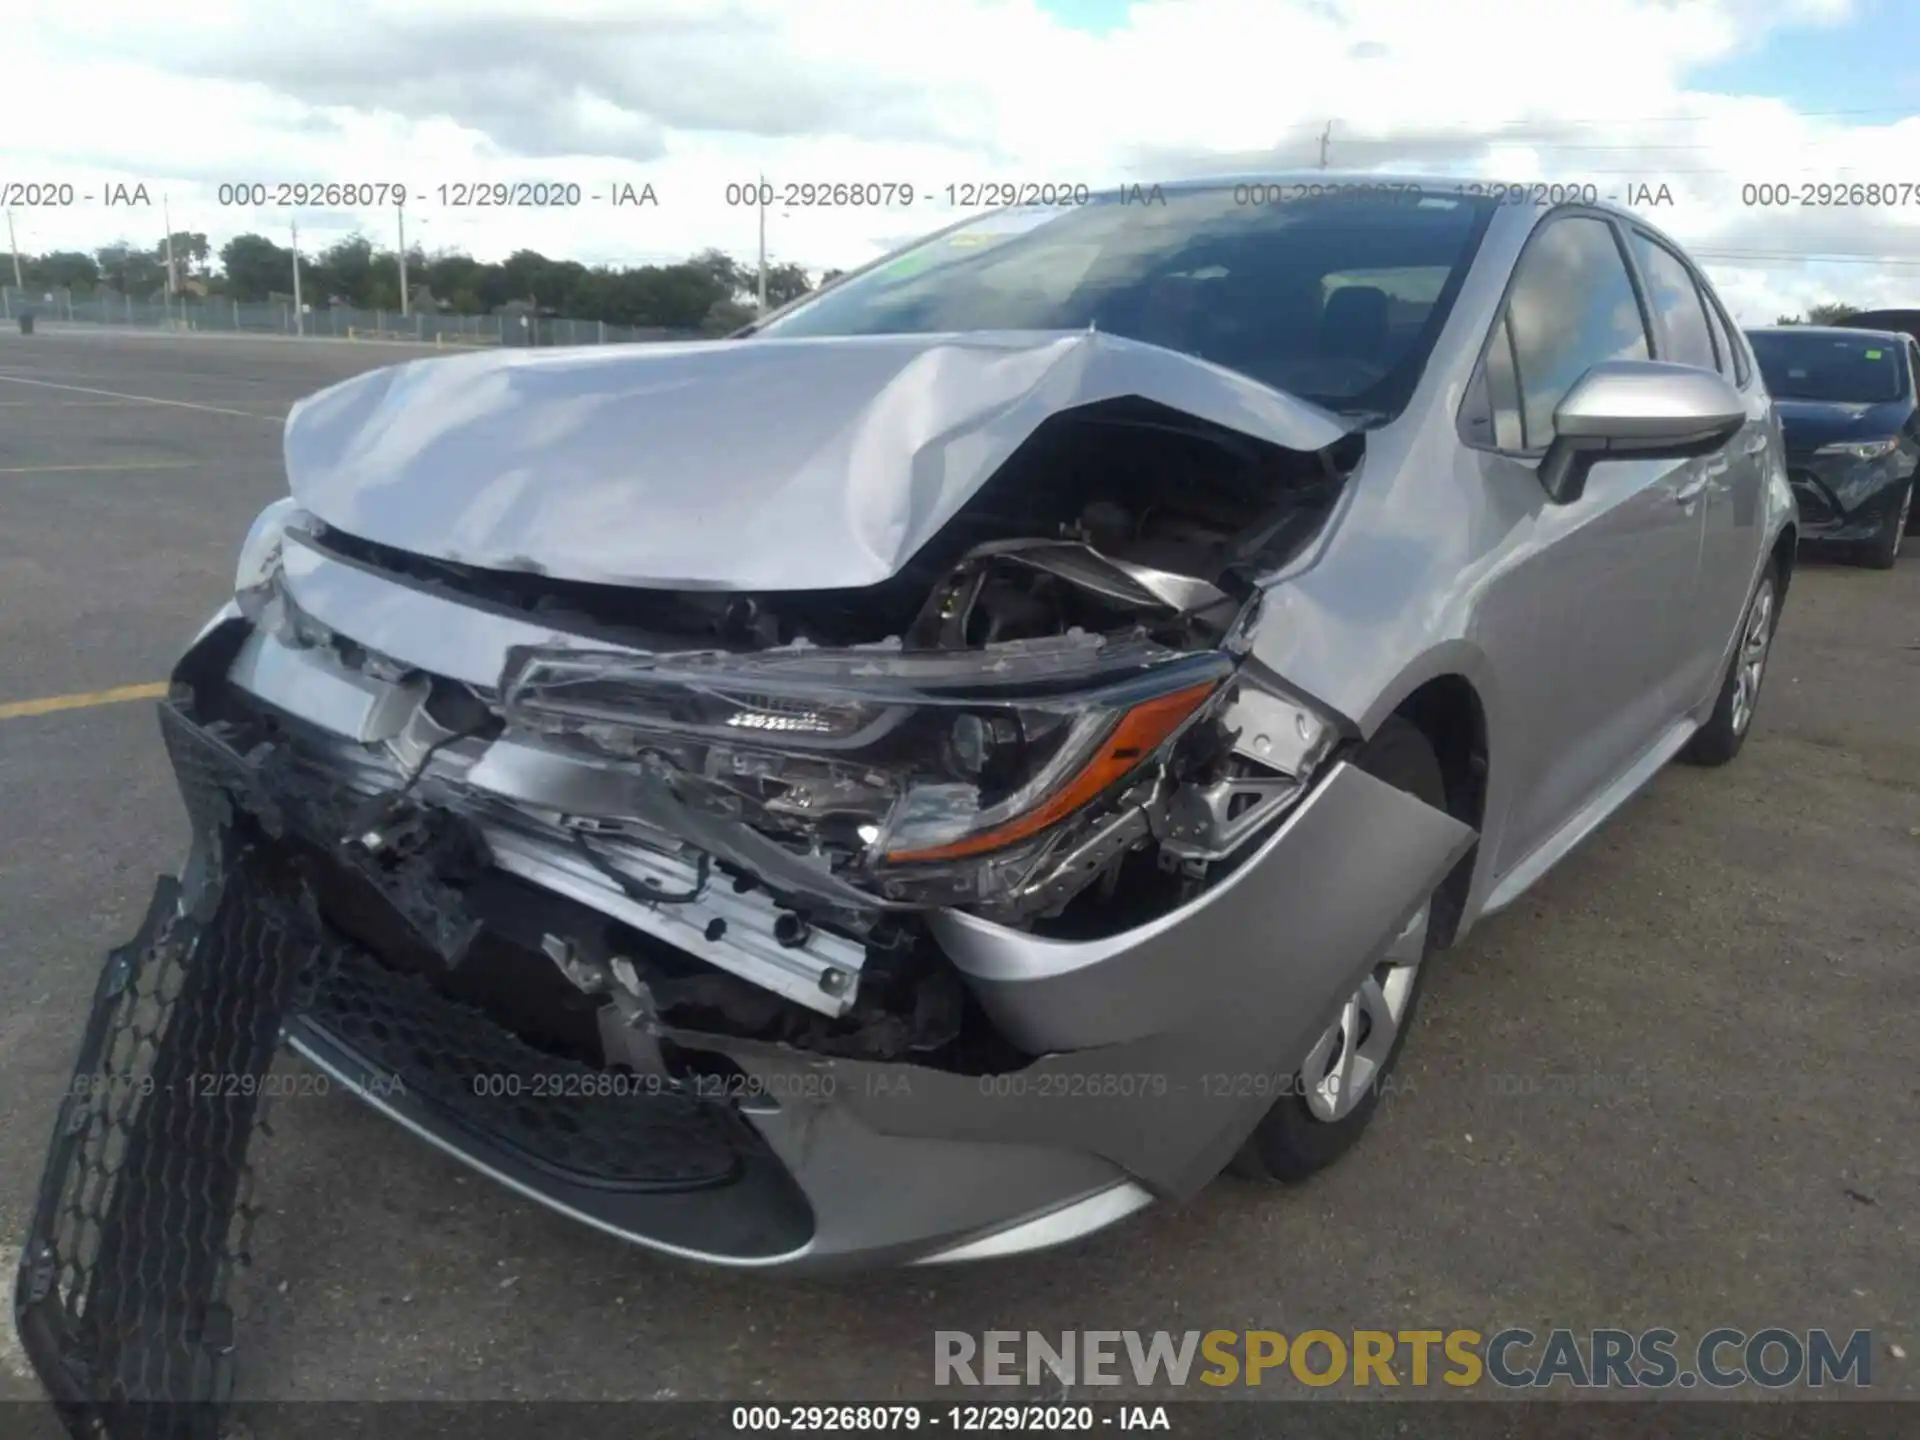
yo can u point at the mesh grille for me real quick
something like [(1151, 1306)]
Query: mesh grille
[(593, 1125), (146, 1205)]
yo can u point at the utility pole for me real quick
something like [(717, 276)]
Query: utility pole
[(18, 283), (166, 219), (1326, 136), (761, 194), (299, 319), (401, 211)]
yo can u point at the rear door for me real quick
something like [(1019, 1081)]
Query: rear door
[(1729, 486), (1607, 582)]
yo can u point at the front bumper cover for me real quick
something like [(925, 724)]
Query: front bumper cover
[(814, 1162), (1846, 503)]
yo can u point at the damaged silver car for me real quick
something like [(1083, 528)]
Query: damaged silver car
[(988, 750)]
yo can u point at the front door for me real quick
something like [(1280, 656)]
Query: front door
[(1595, 605)]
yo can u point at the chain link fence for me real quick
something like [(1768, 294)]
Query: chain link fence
[(327, 322)]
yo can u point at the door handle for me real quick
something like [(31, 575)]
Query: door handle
[(1690, 492)]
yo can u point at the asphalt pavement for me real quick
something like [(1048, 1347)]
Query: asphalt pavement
[(1677, 1085)]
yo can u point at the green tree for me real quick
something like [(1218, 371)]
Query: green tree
[(727, 316), (129, 270), (255, 268), (710, 291), (346, 269), (63, 269), (1834, 312), (192, 256), (784, 282)]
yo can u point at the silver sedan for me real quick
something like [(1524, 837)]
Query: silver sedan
[(983, 752)]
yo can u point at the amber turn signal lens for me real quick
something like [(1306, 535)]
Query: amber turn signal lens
[(1140, 732)]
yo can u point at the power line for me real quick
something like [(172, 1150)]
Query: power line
[(1903, 112), (1776, 259), (1414, 141)]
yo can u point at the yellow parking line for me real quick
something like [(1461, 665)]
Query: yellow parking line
[(143, 399), (88, 469), (120, 694)]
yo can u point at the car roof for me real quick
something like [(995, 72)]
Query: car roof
[(1438, 184), (1893, 336)]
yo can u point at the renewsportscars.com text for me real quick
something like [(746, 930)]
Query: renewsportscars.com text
[(1514, 1359)]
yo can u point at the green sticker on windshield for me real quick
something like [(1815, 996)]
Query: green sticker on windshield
[(1875, 354)]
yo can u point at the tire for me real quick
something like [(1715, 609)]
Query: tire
[(1720, 739), (1883, 552), (1295, 1138)]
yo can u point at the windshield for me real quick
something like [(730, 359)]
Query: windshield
[(1857, 369), (1334, 298)]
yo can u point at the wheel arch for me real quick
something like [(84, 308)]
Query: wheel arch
[(1450, 711), (1786, 550)]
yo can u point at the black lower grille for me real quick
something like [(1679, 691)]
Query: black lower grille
[(145, 1205), (1811, 497), (599, 1127)]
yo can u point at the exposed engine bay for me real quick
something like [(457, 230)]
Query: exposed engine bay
[(1041, 719)]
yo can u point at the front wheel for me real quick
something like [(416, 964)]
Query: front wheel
[(1882, 552), (1337, 1089), (1720, 739)]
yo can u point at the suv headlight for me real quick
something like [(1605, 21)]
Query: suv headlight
[(258, 567), (1860, 449), (898, 757)]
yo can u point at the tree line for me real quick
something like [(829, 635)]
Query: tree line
[(710, 291), (1835, 312)]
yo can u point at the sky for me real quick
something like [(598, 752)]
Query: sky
[(1688, 104)]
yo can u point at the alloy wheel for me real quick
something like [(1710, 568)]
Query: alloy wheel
[(1750, 665), (1345, 1060)]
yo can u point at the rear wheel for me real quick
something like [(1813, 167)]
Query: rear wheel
[(1720, 739), (1337, 1089)]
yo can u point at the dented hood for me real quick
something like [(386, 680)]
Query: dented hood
[(760, 464)]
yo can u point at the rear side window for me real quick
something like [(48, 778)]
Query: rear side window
[(1572, 306), (1741, 370), (1674, 297), (1722, 342)]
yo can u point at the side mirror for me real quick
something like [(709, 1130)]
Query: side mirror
[(1636, 409)]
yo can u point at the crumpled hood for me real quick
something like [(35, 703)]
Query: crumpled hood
[(760, 464)]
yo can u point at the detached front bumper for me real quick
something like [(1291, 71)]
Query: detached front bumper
[(1156, 1049), (1845, 504)]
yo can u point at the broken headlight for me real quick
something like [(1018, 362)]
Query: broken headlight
[(258, 569), (890, 757)]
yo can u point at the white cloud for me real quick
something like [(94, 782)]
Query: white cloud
[(689, 95)]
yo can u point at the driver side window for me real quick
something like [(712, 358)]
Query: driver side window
[(1572, 304)]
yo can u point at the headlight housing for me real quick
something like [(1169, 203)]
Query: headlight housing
[(892, 758), (258, 568), (1861, 449)]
